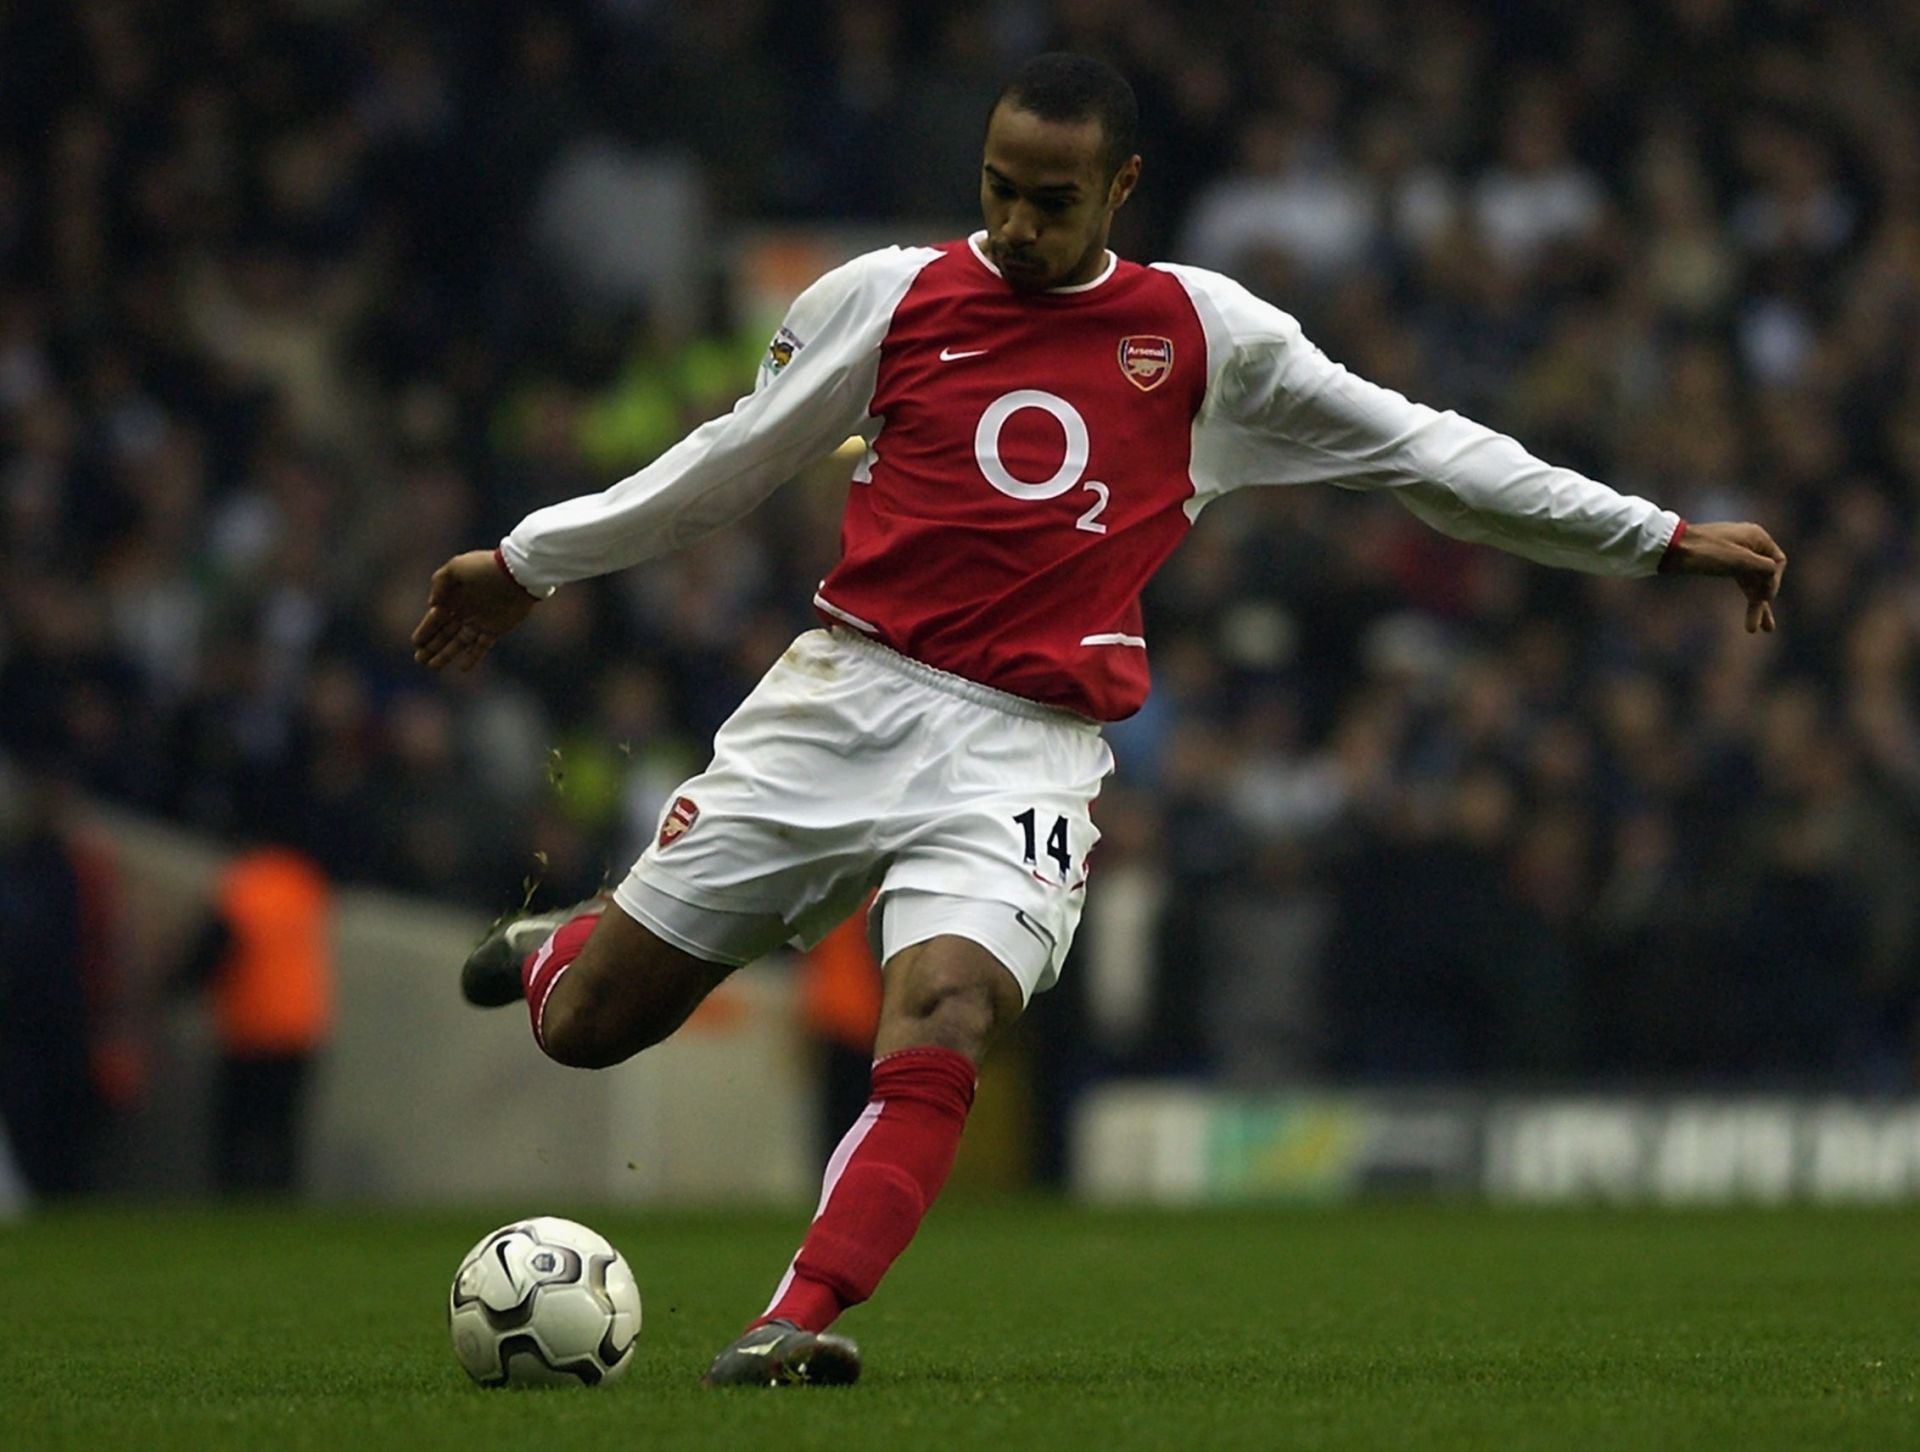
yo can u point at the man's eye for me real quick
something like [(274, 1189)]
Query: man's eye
[(1000, 191), (1055, 205)]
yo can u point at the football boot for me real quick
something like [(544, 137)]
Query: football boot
[(491, 975), (779, 1353)]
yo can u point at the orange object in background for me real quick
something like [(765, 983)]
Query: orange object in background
[(274, 990), (840, 986)]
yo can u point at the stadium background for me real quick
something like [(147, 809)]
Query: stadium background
[(297, 299)]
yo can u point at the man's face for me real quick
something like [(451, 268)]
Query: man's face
[(1047, 198)]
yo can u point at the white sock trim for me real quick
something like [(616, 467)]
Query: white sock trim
[(533, 971), (842, 1155)]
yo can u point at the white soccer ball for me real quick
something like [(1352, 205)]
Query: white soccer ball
[(544, 1302)]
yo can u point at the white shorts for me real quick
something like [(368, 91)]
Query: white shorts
[(852, 767)]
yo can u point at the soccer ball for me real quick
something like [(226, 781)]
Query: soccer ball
[(544, 1302)]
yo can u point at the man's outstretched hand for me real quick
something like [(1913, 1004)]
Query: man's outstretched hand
[(1746, 552), (471, 603)]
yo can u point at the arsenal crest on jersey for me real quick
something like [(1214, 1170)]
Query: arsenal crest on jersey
[(680, 816), (1146, 361)]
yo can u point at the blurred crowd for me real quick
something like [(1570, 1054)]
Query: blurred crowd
[(299, 297)]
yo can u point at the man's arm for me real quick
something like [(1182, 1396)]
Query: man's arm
[(812, 392), (1279, 411)]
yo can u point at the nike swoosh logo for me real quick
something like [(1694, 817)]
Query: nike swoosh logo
[(947, 355), (1044, 938)]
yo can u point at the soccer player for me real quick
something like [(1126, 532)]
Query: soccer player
[(1043, 421)]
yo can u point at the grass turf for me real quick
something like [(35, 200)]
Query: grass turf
[(1008, 1325)]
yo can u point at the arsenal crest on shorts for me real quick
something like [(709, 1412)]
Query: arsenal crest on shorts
[(1146, 360), (680, 816)]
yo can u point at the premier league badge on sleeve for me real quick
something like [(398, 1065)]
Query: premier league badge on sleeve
[(781, 350), (1147, 361)]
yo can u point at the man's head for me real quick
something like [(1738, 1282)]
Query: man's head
[(1059, 162)]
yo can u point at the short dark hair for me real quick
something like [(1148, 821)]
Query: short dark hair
[(1062, 86)]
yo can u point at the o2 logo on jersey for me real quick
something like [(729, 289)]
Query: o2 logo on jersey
[(986, 453)]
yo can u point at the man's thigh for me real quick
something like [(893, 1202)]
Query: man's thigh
[(628, 990)]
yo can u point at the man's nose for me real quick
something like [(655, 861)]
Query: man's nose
[(1021, 227)]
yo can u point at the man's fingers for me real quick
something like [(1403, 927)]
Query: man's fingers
[(1770, 557), (448, 645), (449, 654), (471, 647), (431, 638), (443, 640), (1750, 564), (1759, 615), (442, 654), (1747, 554)]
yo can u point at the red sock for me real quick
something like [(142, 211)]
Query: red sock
[(545, 964), (880, 1181)]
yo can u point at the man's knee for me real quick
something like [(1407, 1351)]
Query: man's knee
[(949, 993), (954, 1008)]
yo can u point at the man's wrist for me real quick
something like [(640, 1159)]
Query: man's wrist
[(500, 562), (1670, 559)]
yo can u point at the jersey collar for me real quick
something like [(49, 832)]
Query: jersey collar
[(980, 253)]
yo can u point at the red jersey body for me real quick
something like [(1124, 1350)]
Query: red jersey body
[(1029, 476), (1033, 458)]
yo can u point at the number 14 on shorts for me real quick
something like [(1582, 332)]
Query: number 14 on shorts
[(1029, 822)]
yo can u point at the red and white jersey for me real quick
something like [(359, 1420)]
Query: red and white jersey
[(1033, 458)]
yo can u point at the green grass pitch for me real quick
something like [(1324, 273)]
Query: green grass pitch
[(1008, 1325)]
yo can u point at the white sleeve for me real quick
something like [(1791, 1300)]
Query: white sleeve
[(812, 391), (1279, 411)]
